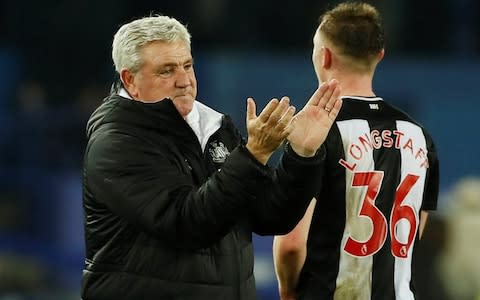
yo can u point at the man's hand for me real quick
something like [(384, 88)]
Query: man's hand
[(312, 124), (268, 131)]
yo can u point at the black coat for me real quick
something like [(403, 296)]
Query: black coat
[(166, 220)]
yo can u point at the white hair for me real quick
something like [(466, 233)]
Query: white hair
[(131, 37)]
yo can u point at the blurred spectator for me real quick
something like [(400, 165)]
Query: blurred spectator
[(21, 274), (460, 263)]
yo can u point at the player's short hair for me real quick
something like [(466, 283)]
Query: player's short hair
[(355, 29), (131, 37)]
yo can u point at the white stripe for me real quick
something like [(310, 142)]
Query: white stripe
[(411, 164), (362, 98), (355, 273)]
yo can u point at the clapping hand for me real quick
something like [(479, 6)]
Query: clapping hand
[(311, 125), (269, 130)]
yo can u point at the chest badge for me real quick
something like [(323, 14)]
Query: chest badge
[(218, 152)]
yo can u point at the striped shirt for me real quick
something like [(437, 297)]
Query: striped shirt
[(381, 171)]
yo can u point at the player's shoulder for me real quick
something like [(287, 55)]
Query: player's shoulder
[(402, 115)]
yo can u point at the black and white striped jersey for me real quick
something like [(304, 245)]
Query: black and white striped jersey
[(381, 171)]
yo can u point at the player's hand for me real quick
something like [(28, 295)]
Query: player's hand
[(267, 131), (312, 124)]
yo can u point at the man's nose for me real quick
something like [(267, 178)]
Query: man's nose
[(183, 78)]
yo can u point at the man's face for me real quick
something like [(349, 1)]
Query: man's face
[(317, 56), (166, 72)]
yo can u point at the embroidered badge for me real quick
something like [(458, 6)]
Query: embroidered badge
[(218, 152)]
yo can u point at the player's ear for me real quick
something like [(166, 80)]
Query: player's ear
[(326, 57), (381, 54)]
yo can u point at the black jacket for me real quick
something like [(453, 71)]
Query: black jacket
[(166, 220)]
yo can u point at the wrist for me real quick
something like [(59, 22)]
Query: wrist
[(319, 155), (258, 154), (303, 152)]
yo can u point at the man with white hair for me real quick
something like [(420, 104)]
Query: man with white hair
[(172, 192)]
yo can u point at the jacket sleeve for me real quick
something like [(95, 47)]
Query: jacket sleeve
[(295, 182), (140, 184)]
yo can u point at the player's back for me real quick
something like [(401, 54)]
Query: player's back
[(381, 172)]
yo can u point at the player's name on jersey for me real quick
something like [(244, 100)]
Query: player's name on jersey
[(377, 139)]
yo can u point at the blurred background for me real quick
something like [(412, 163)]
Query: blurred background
[(56, 68)]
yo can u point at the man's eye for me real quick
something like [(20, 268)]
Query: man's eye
[(165, 72), (188, 66)]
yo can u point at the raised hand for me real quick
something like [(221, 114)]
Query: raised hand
[(268, 131), (311, 125)]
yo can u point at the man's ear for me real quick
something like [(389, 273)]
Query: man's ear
[(326, 58), (128, 80)]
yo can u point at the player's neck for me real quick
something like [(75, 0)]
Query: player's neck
[(355, 85)]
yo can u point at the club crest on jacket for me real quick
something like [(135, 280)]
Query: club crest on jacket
[(218, 152)]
